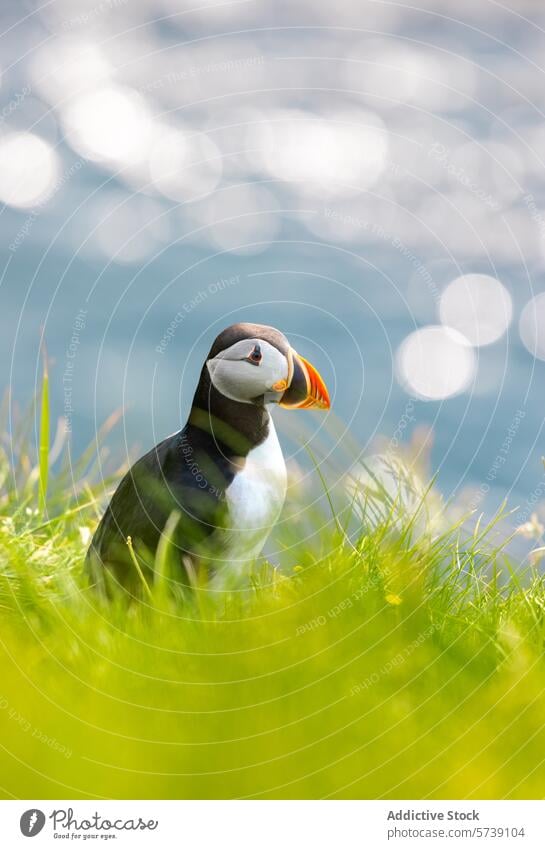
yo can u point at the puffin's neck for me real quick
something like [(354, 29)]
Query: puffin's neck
[(237, 427)]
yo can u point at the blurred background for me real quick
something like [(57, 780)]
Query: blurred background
[(367, 176)]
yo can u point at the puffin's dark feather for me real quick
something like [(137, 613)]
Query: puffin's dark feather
[(187, 472)]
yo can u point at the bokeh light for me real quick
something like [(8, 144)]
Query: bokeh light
[(66, 66), (532, 326), (478, 306), (111, 124), (338, 155), (28, 169), (435, 362)]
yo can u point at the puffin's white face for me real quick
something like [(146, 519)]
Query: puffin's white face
[(248, 370)]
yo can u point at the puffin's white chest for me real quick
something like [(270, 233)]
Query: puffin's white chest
[(255, 498)]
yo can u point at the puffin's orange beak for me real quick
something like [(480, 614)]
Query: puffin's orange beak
[(304, 387)]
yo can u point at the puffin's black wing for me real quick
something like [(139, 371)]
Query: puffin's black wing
[(186, 472)]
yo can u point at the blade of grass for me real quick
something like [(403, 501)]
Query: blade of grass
[(164, 551), (44, 439), (138, 567), (327, 493)]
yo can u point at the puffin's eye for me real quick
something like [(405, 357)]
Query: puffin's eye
[(256, 356)]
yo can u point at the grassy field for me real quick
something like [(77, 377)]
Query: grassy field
[(392, 655)]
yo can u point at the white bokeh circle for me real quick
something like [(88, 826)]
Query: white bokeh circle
[(478, 306), (435, 362)]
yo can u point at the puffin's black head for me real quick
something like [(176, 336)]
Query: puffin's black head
[(254, 363)]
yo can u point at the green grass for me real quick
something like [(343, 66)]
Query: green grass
[(393, 654)]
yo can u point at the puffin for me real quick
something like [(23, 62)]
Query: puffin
[(220, 481)]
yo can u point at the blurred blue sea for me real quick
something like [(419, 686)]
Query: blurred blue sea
[(169, 168)]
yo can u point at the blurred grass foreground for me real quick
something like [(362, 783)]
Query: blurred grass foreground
[(389, 653)]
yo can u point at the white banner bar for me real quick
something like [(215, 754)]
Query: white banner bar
[(274, 824)]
